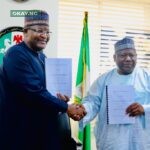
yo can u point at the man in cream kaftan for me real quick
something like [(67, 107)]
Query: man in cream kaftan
[(121, 136)]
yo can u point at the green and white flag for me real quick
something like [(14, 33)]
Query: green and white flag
[(83, 80), (7, 39)]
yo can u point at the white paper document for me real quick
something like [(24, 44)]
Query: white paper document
[(118, 99), (59, 75)]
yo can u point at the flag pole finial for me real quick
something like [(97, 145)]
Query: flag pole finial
[(86, 13)]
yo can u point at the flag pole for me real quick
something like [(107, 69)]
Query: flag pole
[(83, 79)]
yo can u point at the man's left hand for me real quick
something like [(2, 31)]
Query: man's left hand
[(135, 109), (65, 98)]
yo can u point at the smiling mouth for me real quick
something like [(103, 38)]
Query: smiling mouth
[(130, 64), (42, 42)]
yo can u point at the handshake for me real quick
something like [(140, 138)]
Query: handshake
[(76, 111)]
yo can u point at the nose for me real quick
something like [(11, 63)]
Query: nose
[(128, 58), (45, 37)]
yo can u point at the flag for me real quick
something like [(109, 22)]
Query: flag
[(83, 80)]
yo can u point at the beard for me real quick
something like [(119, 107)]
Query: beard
[(125, 70)]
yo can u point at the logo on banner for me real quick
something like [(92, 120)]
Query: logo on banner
[(8, 37)]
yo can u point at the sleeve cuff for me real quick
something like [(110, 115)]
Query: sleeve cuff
[(81, 126), (147, 115)]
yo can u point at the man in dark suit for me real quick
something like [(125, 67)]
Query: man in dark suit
[(30, 120)]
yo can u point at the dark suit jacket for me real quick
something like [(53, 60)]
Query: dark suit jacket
[(30, 111)]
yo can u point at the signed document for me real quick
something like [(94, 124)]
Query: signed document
[(59, 75), (118, 99)]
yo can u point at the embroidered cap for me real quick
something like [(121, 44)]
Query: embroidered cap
[(36, 17), (125, 43)]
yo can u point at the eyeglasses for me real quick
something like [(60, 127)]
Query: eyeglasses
[(41, 32), (123, 56)]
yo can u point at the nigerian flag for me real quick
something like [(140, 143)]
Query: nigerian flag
[(83, 79)]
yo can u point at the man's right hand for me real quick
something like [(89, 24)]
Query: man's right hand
[(76, 111)]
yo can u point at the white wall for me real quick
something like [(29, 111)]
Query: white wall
[(51, 6)]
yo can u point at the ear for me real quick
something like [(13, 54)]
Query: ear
[(25, 30), (114, 56)]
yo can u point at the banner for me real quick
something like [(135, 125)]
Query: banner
[(8, 37)]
